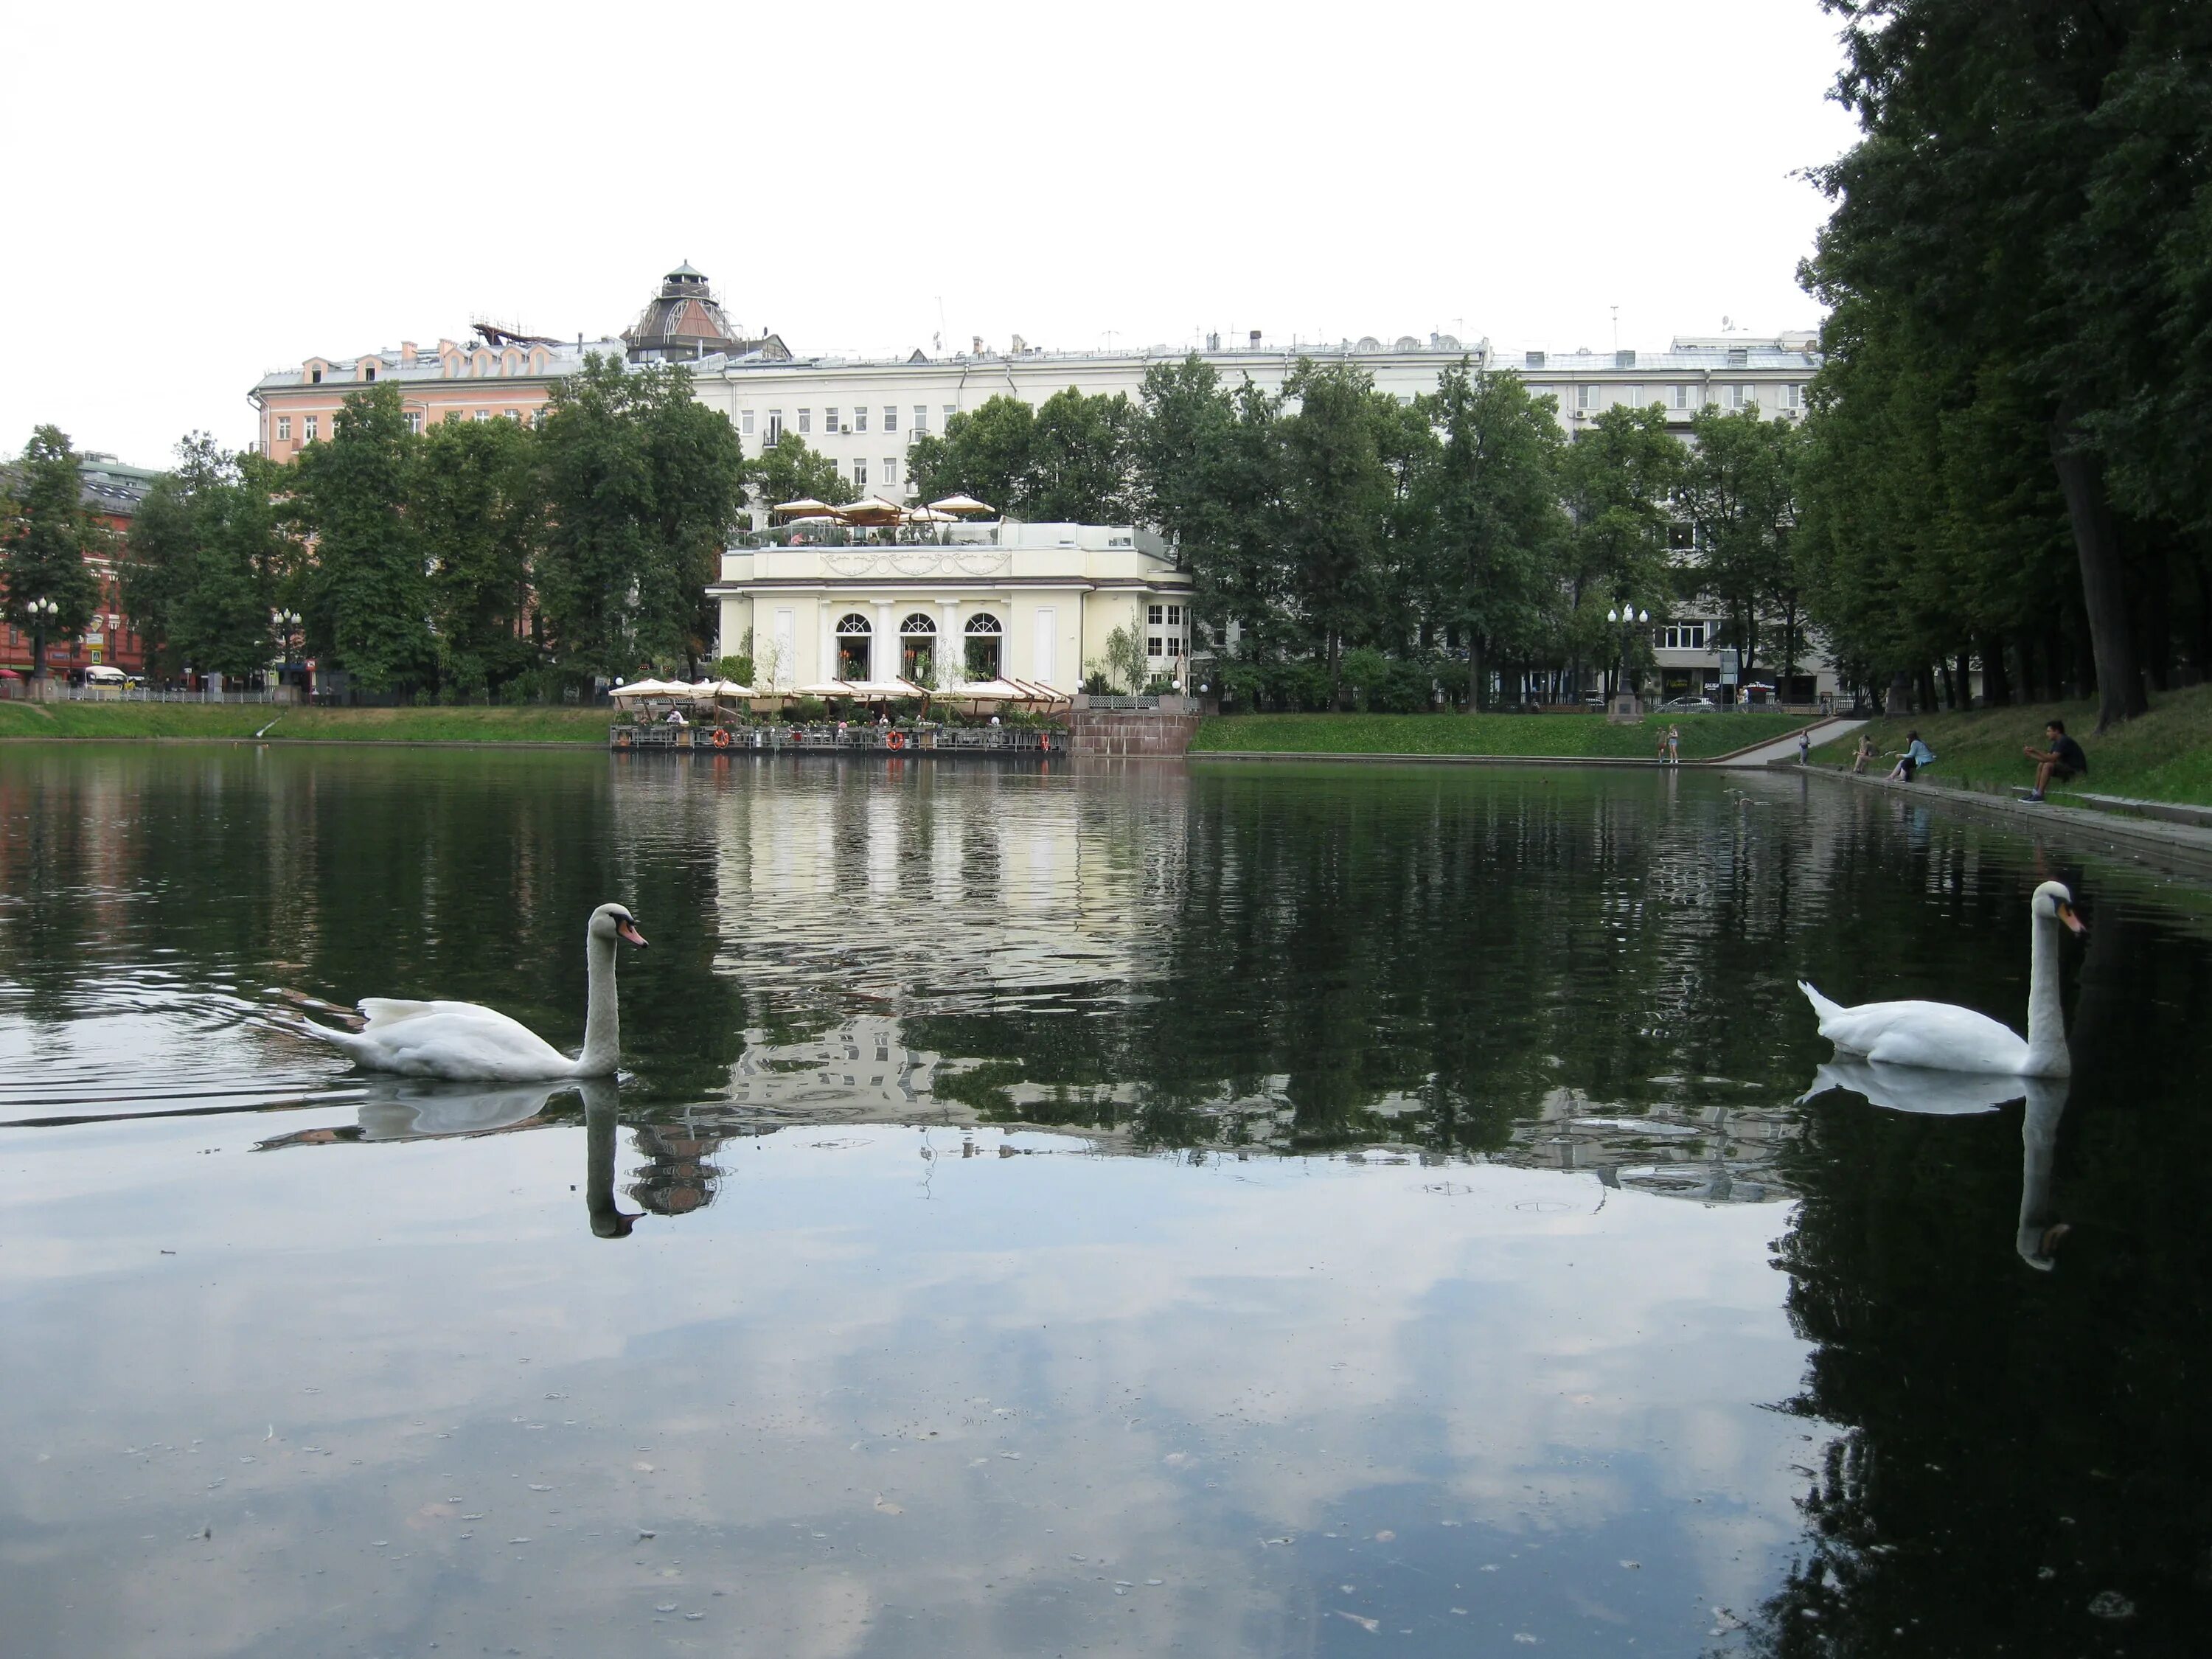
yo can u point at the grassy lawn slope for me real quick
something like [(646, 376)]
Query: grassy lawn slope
[(198, 719), (1579, 737), (2166, 755)]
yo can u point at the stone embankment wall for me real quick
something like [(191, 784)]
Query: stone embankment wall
[(1125, 732)]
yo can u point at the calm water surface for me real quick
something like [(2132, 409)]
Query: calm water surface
[(1244, 1211)]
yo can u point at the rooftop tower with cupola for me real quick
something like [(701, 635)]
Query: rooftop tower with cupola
[(685, 322)]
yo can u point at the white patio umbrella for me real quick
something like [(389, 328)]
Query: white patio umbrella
[(929, 516), (960, 504), (804, 504), (652, 688), (721, 689)]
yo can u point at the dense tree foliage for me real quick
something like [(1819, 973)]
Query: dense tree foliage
[(476, 560), (1067, 462), (2020, 347), (45, 534), (205, 560), (1340, 537), (789, 470)]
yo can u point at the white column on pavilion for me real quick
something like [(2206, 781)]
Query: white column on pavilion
[(884, 647), (952, 649)]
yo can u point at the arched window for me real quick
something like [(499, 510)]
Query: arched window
[(918, 648), (853, 638), (985, 634)]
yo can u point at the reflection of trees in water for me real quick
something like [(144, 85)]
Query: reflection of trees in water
[(2021, 1418)]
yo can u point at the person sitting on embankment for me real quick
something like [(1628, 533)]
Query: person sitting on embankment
[(2062, 760)]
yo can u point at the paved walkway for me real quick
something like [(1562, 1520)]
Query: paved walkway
[(1784, 749)]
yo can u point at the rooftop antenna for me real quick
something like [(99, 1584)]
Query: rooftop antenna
[(1616, 328)]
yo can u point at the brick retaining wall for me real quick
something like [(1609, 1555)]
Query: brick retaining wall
[(1108, 731)]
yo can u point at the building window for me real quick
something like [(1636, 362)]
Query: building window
[(1154, 614), (829, 427), (775, 426), (984, 634), (1636, 397), (315, 377), (854, 640), (1585, 395), (285, 428), (917, 646), (1682, 396), (483, 414), (1684, 636), (921, 417), (514, 415), (414, 420), (1175, 645), (806, 419), (308, 426), (1793, 396), (745, 422), (950, 409), (1152, 646), (891, 418), (891, 469), (1737, 395), (1175, 616), (860, 419), (859, 473)]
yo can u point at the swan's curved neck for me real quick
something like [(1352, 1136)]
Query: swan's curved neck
[(2046, 1017), (602, 1025)]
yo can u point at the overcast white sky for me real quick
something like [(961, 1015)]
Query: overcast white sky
[(203, 192)]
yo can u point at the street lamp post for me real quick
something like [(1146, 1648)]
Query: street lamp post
[(1630, 619), (42, 611), (286, 625)]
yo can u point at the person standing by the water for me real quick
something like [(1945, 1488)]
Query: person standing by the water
[(1673, 746), (1804, 747)]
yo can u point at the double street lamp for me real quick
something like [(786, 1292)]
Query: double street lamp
[(287, 625), (1629, 619), (42, 611)]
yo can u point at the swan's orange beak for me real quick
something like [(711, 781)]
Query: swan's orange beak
[(2065, 914), (627, 932)]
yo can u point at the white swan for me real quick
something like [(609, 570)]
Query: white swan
[(464, 1042), (1945, 1038)]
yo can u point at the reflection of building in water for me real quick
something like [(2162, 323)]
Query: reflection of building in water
[(877, 878), (1714, 1153), (858, 1069)]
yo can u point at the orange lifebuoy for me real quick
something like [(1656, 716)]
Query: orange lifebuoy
[(721, 736), (1044, 740), (797, 735), (897, 740)]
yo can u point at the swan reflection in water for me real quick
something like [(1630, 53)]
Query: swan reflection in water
[(408, 1110), (1951, 1094), (608, 1219)]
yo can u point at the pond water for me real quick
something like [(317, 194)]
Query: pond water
[(1241, 1211)]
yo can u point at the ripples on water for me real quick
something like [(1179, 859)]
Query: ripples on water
[(1319, 1362)]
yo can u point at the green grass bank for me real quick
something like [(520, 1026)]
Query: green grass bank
[(1566, 736), (197, 720), (2165, 755)]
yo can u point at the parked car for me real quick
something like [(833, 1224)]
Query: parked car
[(106, 674), (1689, 705)]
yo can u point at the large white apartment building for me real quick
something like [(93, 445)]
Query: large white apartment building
[(863, 413)]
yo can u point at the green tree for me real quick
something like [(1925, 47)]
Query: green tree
[(987, 453), (1079, 464), (476, 503), (642, 485), (365, 593), (789, 471), (47, 539), (2031, 194), (1738, 493), (1492, 498), (1337, 491)]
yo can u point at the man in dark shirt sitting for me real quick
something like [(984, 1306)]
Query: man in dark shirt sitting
[(2062, 760)]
